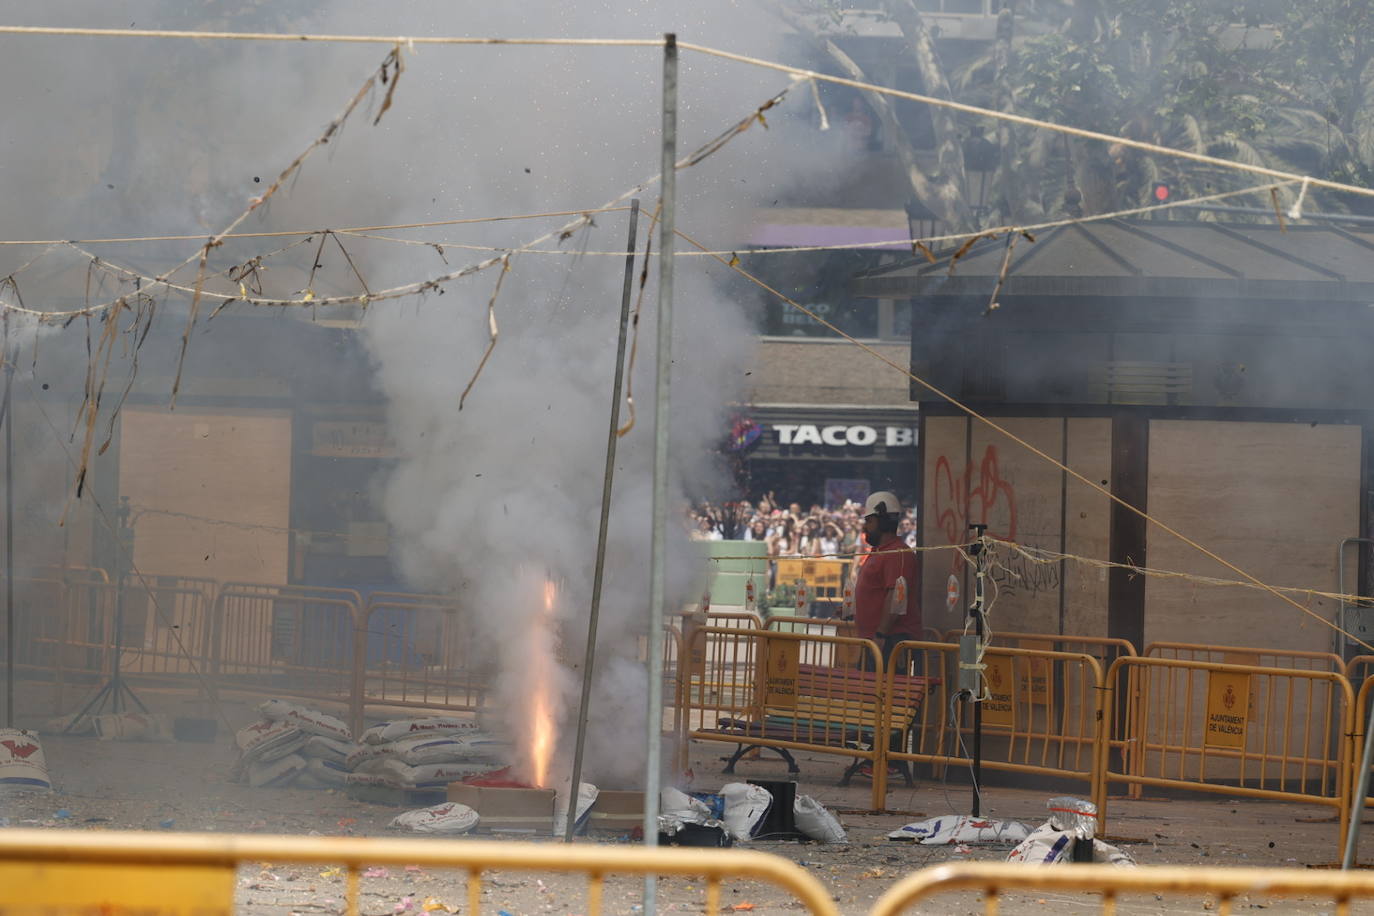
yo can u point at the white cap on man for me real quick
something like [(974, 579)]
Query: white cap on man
[(882, 502)]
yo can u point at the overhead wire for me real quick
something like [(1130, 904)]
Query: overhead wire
[(293, 232)]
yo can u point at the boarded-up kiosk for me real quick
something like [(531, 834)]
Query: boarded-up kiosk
[(1219, 376)]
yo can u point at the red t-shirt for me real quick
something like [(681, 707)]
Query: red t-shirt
[(878, 575)]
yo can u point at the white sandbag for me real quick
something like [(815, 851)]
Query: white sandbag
[(310, 721), (586, 797), (406, 728), (21, 760), (402, 775), (421, 749), (275, 773), (1050, 846), (133, 726), (449, 748), (941, 831), (448, 818), (319, 747), (745, 808), (369, 779), (679, 805), (326, 772), (813, 820), (268, 740)]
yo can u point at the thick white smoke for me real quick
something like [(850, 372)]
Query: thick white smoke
[(489, 500), (510, 487)]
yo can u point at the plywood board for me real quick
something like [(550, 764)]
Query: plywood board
[(211, 491), (1273, 498)]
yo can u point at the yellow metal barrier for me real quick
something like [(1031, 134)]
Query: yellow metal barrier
[(1250, 731), (290, 640), (1225, 885), (1042, 715), (114, 871), (787, 691), (817, 574), (731, 619), (813, 626), (416, 652), (1359, 668), (1105, 649), (1248, 655)]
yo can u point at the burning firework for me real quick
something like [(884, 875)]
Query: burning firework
[(542, 725)]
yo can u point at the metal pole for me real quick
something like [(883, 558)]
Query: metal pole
[(657, 550), (8, 420), (1342, 641), (977, 611), (1352, 835), (589, 660)]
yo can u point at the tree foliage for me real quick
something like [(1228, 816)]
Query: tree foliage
[(1290, 86)]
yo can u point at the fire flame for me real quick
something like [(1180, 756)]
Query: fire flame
[(541, 713)]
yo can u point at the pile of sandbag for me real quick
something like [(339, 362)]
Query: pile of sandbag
[(290, 745), (298, 746), (423, 753)]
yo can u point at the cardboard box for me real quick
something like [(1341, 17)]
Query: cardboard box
[(524, 810), (618, 811)]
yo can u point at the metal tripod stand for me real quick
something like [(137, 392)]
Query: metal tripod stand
[(114, 691)]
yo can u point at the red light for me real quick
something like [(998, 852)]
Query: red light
[(1161, 192)]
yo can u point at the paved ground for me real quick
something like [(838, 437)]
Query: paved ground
[(182, 786)]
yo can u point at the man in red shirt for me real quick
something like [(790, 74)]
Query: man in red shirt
[(887, 606)]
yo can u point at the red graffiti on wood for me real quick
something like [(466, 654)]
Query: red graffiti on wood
[(957, 503)]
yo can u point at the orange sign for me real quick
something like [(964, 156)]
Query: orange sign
[(1228, 709), (780, 673), (999, 709)]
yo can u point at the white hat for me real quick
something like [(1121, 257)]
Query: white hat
[(883, 502)]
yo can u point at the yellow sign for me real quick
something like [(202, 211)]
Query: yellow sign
[(780, 673), (34, 888), (999, 709), (1034, 682), (1228, 709)]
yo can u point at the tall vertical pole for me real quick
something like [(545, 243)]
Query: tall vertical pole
[(589, 660), (978, 549), (8, 419), (664, 365)]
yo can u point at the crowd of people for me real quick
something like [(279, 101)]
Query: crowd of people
[(789, 530)]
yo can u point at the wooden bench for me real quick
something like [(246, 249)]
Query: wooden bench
[(834, 708)]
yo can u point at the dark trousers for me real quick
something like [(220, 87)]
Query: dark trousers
[(916, 661)]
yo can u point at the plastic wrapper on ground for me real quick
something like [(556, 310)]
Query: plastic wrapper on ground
[(448, 818), (961, 828)]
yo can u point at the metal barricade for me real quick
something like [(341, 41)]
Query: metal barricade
[(1250, 731), (291, 640), (788, 691), (824, 578), (733, 619), (1226, 886), (1042, 714), (132, 871), (1359, 668), (416, 652), (813, 626), (1105, 649), (1248, 655)]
